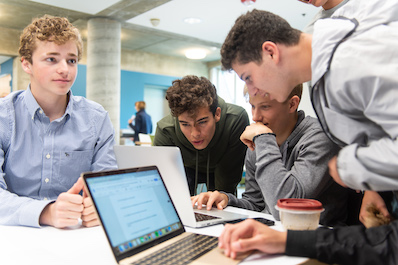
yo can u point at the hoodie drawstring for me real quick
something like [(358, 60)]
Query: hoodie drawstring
[(207, 171), (197, 172)]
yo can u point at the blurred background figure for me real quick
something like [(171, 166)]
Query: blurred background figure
[(141, 122)]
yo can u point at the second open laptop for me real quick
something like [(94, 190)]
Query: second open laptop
[(169, 161), (141, 223)]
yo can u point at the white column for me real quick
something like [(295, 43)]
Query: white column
[(103, 67)]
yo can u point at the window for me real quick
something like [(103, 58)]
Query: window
[(230, 88)]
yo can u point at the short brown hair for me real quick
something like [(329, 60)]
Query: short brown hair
[(48, 28), (243, 43), (297, 91), (191, 93), (140, 105)]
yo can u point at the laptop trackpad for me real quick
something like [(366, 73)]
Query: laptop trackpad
[(220, 213), (216, 256)]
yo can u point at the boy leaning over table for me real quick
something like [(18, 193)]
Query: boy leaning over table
[(351, 60)]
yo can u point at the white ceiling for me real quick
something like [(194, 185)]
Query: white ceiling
[(89, 7), (173, 36), (218, 16)]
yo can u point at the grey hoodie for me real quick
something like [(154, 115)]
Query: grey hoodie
[(296, 169)]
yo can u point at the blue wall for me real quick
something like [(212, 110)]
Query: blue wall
[(132, 89), (79, 87), (6, 68), (132, 86)]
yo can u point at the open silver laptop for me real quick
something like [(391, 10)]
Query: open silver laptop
[(141, 223), (169, 161)]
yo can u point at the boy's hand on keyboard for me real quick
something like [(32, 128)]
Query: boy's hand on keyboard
[(210, 199)]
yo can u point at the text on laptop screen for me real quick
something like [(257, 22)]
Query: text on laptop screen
[(134, 208)]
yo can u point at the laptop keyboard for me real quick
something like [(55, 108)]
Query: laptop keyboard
[(181, 252), (203, 217)]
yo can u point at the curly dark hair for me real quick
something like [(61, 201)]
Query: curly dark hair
[(48, 28), (244, 41), (191, 93)]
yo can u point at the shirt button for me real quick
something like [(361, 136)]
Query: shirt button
[(46, 180), (48, 156), (45, 198), (40, 111)]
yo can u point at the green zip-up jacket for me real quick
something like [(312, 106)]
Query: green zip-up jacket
[(225, 154)]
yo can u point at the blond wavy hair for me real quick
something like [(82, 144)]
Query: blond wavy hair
[(48, 28)]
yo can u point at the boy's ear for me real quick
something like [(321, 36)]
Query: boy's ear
[(271, 50), (217, 115), (26, 65), (294, 103)]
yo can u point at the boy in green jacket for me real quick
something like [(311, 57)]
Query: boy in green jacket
[(207, 130)]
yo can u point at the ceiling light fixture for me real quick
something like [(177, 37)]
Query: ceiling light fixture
[(195, 54), (192, 20), (248, 2), (155, 21)]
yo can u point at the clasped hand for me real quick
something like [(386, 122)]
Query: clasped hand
[(251, 131), (69, 207)]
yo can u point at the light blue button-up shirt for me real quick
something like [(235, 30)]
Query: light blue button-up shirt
[(40, 159)]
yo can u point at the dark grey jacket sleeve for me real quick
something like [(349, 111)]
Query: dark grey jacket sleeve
[(347, 245)]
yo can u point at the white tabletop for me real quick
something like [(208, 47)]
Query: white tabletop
[(80, 245)]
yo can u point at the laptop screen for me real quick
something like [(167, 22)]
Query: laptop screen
[(134, 207)]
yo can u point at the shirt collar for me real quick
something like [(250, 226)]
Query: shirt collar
[(69, 107), (31, 103), (33, 106)]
